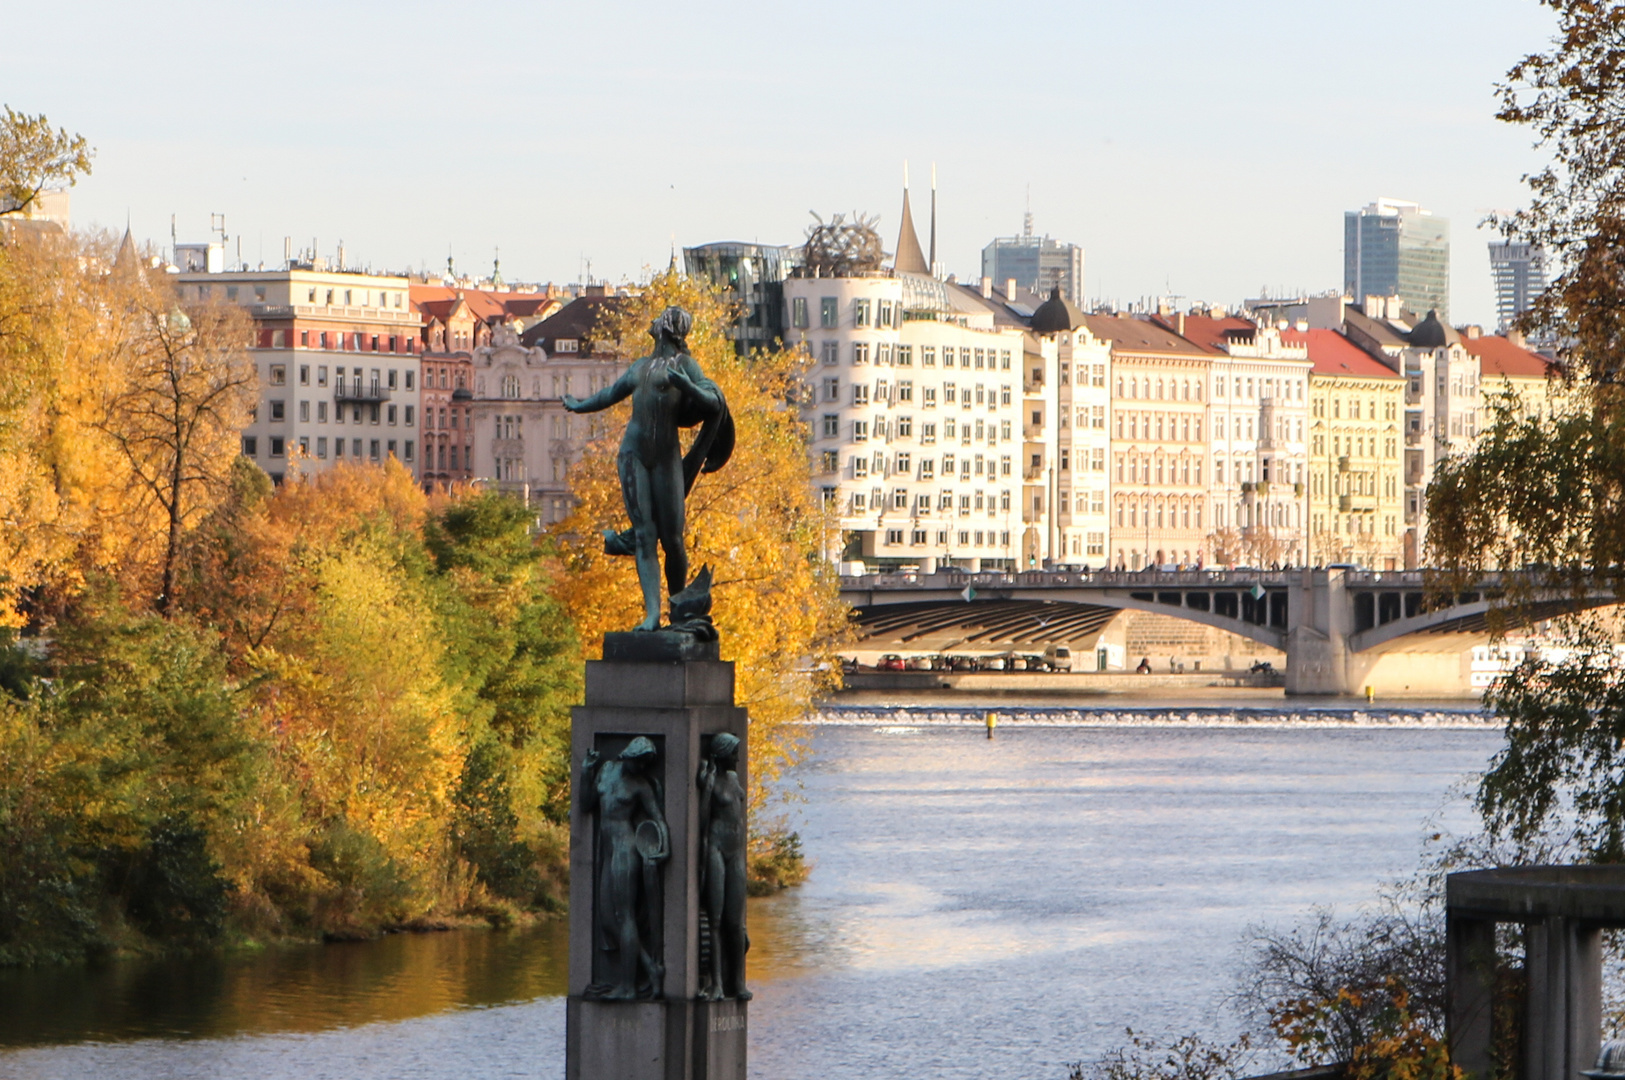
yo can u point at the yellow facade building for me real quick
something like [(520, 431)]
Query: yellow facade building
[(1355, 491)]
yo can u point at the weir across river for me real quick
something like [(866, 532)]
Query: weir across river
[(1333, 624)]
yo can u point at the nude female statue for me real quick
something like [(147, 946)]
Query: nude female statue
[(668, 392), (722, 870), (632, 841)]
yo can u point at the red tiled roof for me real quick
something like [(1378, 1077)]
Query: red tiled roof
[(1331, 353), (1208, 332), (439, 300), (1141, 335), (1499, 356)]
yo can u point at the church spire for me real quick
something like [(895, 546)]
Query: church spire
[(909, 258), (933, 218)]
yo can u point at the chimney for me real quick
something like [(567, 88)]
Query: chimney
[(987, 287), (1301, 326), (1474, 332), (1516, 337), (1010, 289), (1179, 324)]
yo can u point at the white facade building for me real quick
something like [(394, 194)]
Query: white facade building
[(337, 359), (914, 418), (523, 440), (1259, 417)]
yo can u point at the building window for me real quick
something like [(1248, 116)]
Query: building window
[(510, 387), (860, 352), (905, 427), (321, 412), (278, 446), (410, 447), (894, 537), (410, 412), (831, 352), (279, 374), (304, 412), (905, 356), (832, 426), (278, 411), (928, 356), (860, 312), (798, 312), (304, 374), (251, 446), (372, 446), (391, 416), (828, 313)]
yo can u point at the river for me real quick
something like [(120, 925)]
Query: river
[(977, 908)]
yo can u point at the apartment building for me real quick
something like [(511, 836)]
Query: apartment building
[(1355, 487), (1160, 491), (1258, 410), (521, 438), (337, 356), (1082, 366)]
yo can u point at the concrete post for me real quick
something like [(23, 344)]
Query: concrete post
[(1470, 987), (1563, 962), (1317, 643), (679, 704)]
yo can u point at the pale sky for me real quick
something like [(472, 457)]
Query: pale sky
[(1200, 149)]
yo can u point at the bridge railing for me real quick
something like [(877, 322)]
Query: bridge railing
[(1136, 579)]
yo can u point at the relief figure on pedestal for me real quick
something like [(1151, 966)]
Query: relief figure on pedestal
[(722, 871), (668, 392), (632, 841)]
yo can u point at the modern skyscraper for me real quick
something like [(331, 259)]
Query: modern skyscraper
[(1036, 263), (1520, 276), (1396, 248)]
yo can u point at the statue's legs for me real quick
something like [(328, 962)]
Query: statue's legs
[(735, 942), (621, 902), (713, 890), (640, 501), (666, 485)]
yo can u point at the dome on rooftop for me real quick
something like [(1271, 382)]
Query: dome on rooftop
[(1430, 333), (1054, 316)]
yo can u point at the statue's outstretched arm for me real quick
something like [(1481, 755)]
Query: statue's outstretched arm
[(619, 389)]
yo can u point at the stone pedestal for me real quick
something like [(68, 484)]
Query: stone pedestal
[(675, 692)]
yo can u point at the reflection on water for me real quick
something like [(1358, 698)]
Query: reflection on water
[(977, 908), (294, 989)]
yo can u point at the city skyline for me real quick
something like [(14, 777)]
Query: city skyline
[(575, 149)]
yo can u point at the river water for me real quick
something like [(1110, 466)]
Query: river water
[(977, 909)]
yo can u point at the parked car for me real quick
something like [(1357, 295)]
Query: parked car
[(849, 664), (922, 663), (1035, 662), (891, 662), (991, 663), (1014, 662), (959, 663), (1058, 657)]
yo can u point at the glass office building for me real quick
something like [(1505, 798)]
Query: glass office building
[(1520, 276), (1036, 263), (754, 276), (1395, 248)]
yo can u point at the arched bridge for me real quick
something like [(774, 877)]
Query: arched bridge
[(1319, 618)]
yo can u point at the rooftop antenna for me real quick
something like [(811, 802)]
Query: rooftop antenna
[(1027, 218)]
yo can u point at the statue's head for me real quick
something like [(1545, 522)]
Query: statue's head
[(640, 753), (674, 323), (725, 749)]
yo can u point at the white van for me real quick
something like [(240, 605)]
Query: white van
[(1058, 657)]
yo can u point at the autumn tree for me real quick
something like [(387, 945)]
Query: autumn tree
[(187, 390), (33, 157), (757, 523), (1546, 493)]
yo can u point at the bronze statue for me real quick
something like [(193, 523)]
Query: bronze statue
[(722, 870), (668, 392), (632, 842)]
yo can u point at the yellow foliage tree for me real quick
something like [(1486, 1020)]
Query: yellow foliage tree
[(757, 522)]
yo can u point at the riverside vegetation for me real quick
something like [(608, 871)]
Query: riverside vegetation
[(232, 712)]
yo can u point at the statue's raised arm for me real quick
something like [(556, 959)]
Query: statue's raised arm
[(669, 392)]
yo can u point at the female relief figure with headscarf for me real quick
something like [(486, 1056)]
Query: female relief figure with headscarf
[(668, 392)]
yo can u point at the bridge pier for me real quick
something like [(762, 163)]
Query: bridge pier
[(1317, 650)]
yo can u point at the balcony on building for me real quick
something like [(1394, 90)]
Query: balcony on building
[(354, 390)]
